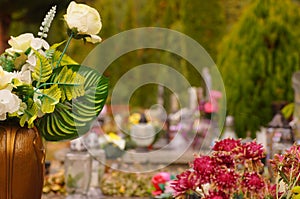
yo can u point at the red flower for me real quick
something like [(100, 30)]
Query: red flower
[(253, 182), (225, 179), (272, 191), (253, 151), (228, 145), (295, 150), (185, 181), (210, 107), (224, 159), (159, 179), (216, 195), (287, 163), (204, 166)]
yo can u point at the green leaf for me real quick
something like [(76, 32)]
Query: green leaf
[(288, 110), (161, 186), (66, 60), (70, 83), (50, 98), (56, 45), (283, 176), (50, 52), (238, 196), (6, 62), (71, 118), (72, 182), (30, 114), (24, 90), (42, 70)]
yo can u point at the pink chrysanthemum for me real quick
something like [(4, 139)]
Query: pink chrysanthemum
[(253, 151), (228, 144), (287, 163), (295, 150), (272, 191), (216, 195), (225, 179), (186, 181), (253, 182), (224, 159), (204, 166)]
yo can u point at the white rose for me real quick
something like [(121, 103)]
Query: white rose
[(85, 19), (9, 103), (20, 43), (5, 78)]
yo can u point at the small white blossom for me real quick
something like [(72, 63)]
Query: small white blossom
[(44, 29), (36, 99), (31, 60), (25, 76)]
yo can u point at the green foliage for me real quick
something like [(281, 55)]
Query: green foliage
[(42, 70), (205, 26), (7, 64), (64, 61), (257, 60), (50, 97), (30, 114), (72, 182), (70, 84), (70, 119), (204, 21), (288, 110)]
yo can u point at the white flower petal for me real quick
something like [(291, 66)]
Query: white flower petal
[(9, 102), (31, 60), (20, 43), (38, 43), (94, 39)]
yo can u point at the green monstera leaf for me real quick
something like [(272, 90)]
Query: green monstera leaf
[(73, 118)]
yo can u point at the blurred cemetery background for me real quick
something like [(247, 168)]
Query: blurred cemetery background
[(255, 45)]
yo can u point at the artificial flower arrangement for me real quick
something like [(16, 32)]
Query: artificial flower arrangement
[(152, 119), (113, 145), (161, 183), (235, 170), (42, 87)]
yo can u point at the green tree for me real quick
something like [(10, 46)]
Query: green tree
[(257, 60), (204, 21), (233, 10)]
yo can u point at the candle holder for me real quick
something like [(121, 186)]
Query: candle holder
[(78, 169)]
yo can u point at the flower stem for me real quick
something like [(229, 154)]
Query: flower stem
[(65, 49)]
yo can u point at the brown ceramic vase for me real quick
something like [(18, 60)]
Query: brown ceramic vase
[(22, 157)]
